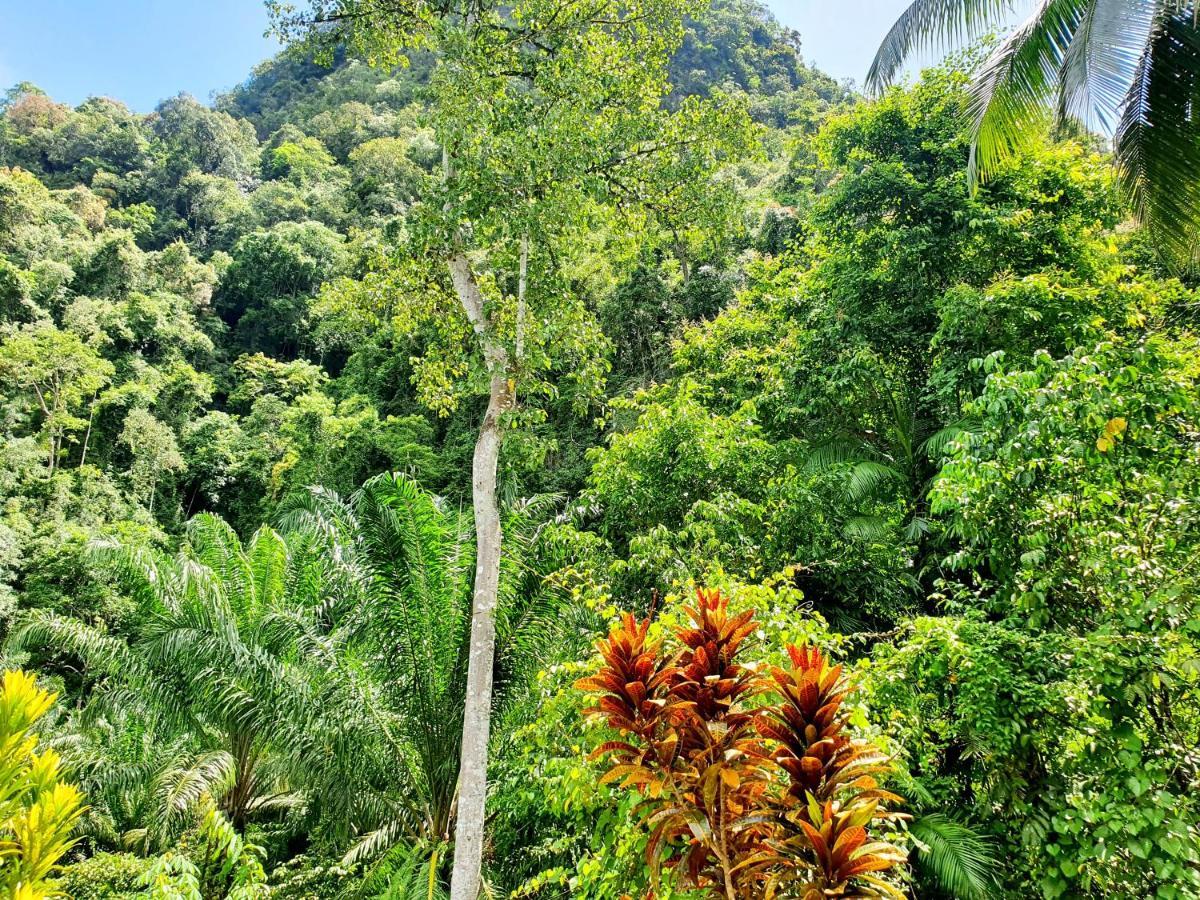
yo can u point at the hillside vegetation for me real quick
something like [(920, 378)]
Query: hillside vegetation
[(948, 438)]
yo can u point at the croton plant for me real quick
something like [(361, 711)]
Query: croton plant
[(752, 785)]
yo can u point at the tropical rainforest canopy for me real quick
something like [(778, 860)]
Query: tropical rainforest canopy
[(584, 451)]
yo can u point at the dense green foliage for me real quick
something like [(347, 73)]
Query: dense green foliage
[(949, 436)]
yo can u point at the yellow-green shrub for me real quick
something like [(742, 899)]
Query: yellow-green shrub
[(37, 810)]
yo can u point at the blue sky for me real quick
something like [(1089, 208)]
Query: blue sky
[(141, 51), (138, 51)]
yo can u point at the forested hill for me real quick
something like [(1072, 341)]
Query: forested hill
[(738, 46), (769, 340), (193, 243)]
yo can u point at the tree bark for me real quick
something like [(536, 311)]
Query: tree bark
[(522, 281), (88, 434), (472, 797)]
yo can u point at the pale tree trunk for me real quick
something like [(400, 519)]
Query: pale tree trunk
[(681, 254), (49, 424), (88, 435), (522, 281), (472, 796)]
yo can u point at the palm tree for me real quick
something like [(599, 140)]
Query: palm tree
[(220, 661), (954, 857), (143, 782), (1131, 67), (894, 458), (398, 688), (402, 661), (324, 673)]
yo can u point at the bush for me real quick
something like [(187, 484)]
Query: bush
[(105, 876)]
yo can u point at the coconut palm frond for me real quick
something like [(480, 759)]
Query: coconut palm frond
[(931, 25), (1013, 88), (1157, 142), (1101, 58)]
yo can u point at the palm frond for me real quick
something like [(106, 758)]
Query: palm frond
[(915, 529), (869, 529), (962, 862), (143, 574), (1132, 63), (319, 509), (937, 445), (267, 805), (402, 663), (401, 659), (267, 561), (1098, 66), (182, 787), (1011, 91), (103, 653), (931, 25), (215, 546), (1157, 143), (838, 450), (144, 782), (377, 843), (219, 656), (407, 872), (868, 478)]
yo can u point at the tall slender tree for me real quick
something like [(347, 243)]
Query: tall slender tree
[(547, 111)]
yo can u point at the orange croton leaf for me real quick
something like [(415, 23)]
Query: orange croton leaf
[(754, 798)]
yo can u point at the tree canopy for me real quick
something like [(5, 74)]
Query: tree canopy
[(834, 512)]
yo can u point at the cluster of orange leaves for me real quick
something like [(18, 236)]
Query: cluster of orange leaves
[(752, 786)]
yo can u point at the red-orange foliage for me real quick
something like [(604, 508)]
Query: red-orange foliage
[(747, 801)]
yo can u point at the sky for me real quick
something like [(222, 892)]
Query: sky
[(141, 51), (839, 36), (138, 51)]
